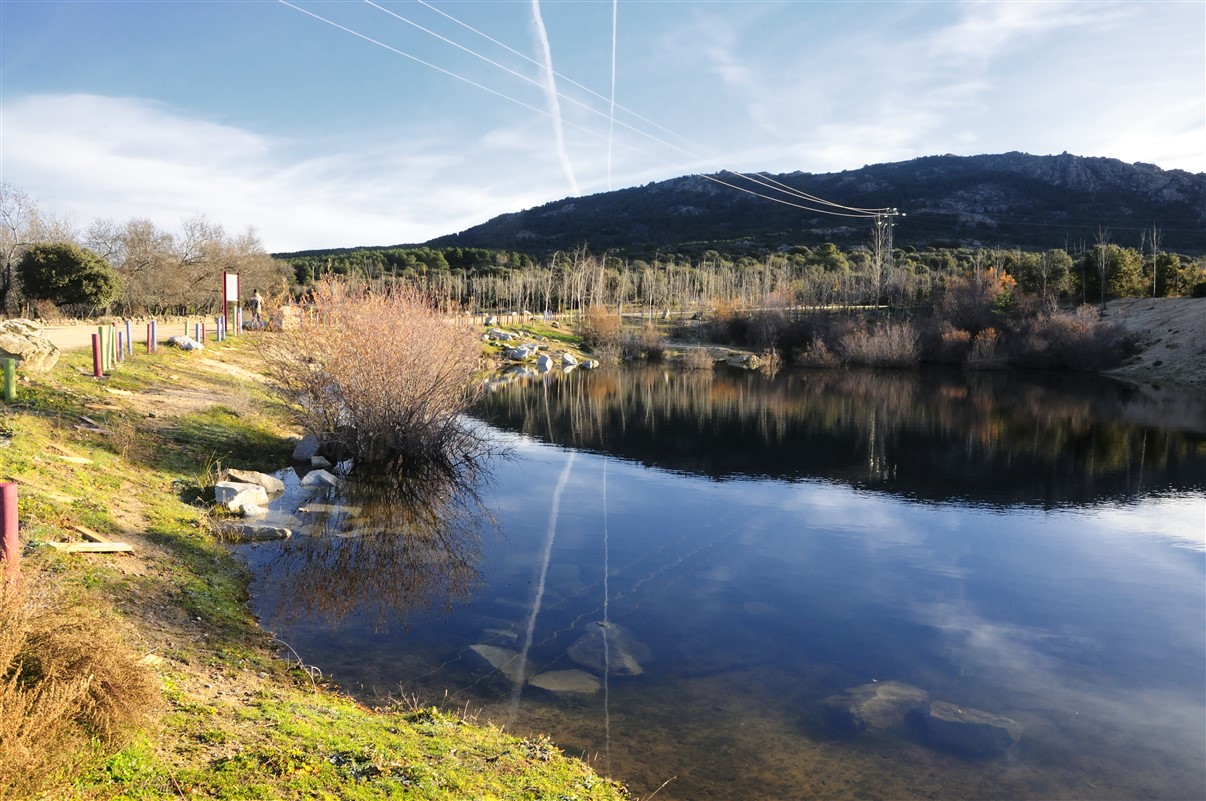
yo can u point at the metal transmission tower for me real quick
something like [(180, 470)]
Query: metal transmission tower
[(881, 240)]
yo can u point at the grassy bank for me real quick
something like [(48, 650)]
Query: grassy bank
[(131, 458)]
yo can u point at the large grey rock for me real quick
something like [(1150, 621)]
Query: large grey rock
[(509, 663), (185, 343), (544, 363), (609, 649), (878, 706), (568, 359), (20, 340), (306, 448), (235, 494), (271, 484), (972, 732), (589, 364), (567, 682)]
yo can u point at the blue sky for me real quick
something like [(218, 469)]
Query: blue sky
[(258, 113)]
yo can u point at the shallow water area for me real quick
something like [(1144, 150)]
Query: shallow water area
[(703, 566)]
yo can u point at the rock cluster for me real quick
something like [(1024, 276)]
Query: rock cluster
[(895, 707), (604, 650)]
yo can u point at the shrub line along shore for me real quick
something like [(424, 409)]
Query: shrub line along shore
[(226, 717)]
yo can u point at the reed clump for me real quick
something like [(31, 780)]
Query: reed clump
[(67, 683), (379, 376)]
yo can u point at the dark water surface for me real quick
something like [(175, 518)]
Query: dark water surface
[(1009, 543)]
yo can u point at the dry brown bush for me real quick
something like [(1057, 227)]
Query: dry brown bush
[(698, 359), (884, 345), (379, 377), (984, 353), (66, 681), (1078, 341), (817, 354), (648, 343), (600, 329)]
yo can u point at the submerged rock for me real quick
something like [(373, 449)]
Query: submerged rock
[(251, 532), (972, 732), (504, 660), (568, 682), (879, 706), (620, 657)]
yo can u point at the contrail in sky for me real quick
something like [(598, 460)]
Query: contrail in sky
[(550, 88)]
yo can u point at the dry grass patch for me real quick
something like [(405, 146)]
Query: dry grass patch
[(66, 679)]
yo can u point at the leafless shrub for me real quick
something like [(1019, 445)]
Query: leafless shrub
[(770, 362), (884, 345), (1079, 341), (698, 359), (817, 354), (66, 680), (984, 353), (381, 376), (648, 343), (599, 328)]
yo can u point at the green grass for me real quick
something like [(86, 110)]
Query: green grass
[(267, 729)]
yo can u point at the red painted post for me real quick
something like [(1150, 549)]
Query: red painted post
[(97, 370), (10, 546), (202, 339)]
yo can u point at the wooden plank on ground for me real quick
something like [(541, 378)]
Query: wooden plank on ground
[(91, 547), (89, 534)]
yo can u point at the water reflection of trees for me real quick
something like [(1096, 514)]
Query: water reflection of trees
[(934, 435), (382, 549)]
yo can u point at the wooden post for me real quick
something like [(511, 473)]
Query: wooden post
[(10, 379), (10, 545), (98, 364)]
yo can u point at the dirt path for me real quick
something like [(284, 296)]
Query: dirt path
[(79, 335)]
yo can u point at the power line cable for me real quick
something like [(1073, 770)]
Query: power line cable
[(647, 135)]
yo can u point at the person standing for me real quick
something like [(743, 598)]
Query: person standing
[(257, 306)]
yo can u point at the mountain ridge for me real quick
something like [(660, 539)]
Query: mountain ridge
[(1009, 199)]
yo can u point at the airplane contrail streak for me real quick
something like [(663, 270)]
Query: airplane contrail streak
[(550, 88)]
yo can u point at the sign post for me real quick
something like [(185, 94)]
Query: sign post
[(230, 294)]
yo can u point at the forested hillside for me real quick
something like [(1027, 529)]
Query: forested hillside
[(1008, 200)]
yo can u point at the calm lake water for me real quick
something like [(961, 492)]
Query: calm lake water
[(1029, 547)]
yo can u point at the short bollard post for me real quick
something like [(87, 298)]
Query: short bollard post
[(129, 340), (197, 331), (154, 336), (114, 345), (10, 379), (201, 338), (239, 321), (98, 366), (148, 337), (121, 351), (10, 546), (100, 335)]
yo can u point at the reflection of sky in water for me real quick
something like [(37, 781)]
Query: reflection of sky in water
[(1097, 613), (1088, 625)]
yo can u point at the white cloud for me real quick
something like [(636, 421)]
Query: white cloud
[(91, 157)]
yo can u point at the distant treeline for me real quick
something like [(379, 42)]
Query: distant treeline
[(825, 275)]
